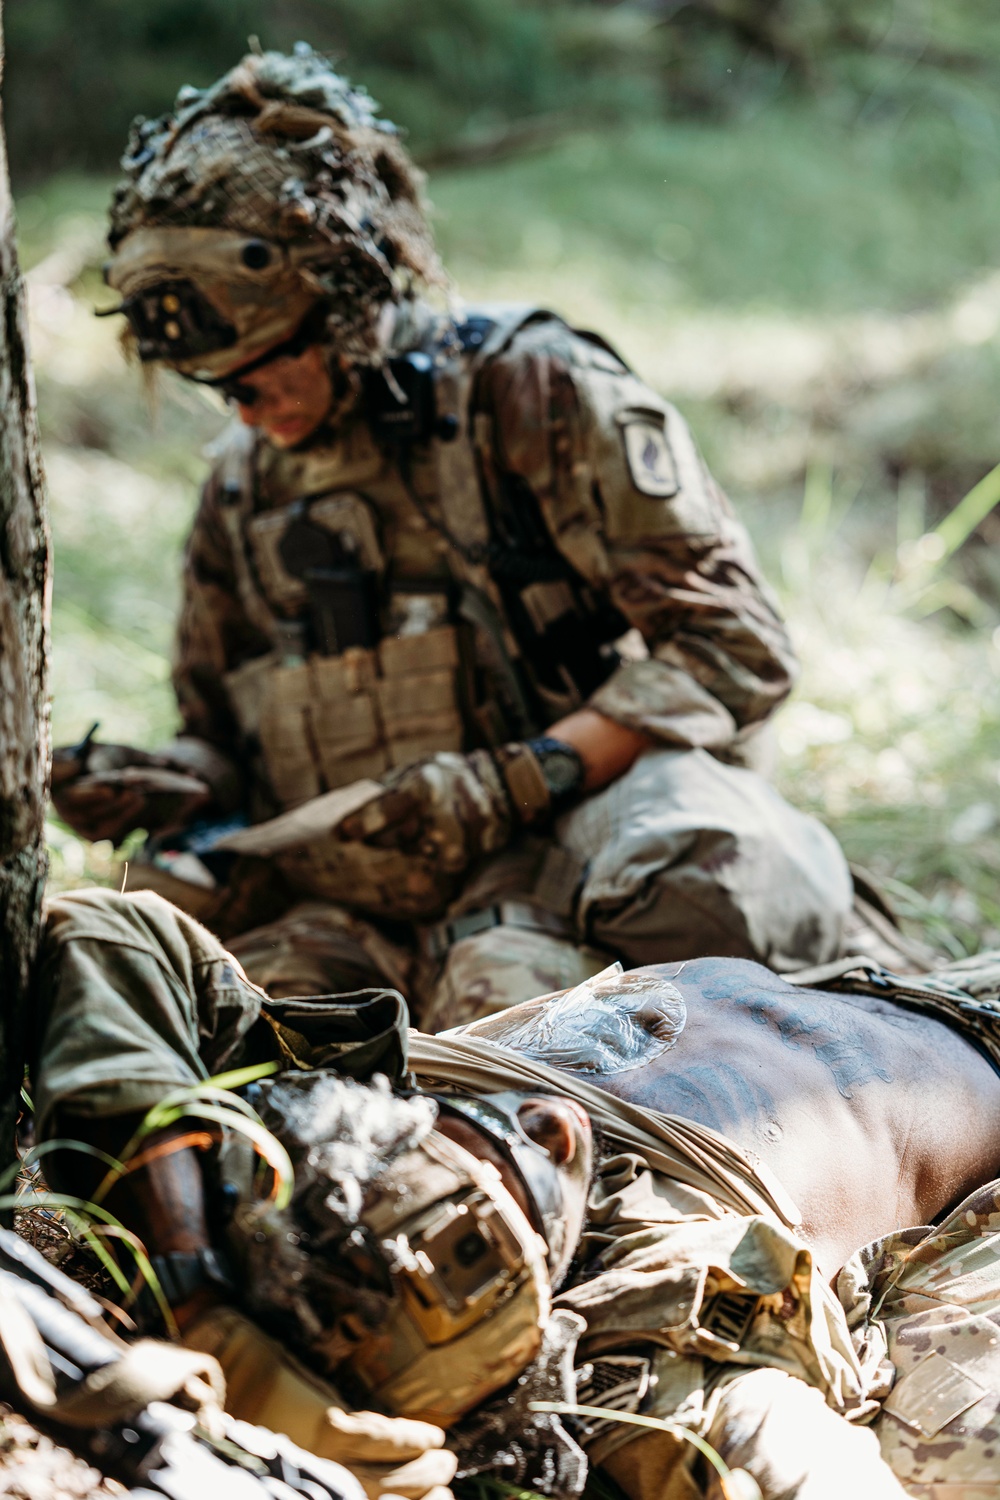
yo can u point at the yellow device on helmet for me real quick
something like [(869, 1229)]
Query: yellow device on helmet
[(472, 1283)]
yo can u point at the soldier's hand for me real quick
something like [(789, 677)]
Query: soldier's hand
[(106, 791), (266, 1386), (451, 809)]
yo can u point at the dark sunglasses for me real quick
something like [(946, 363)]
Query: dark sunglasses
[(233, 386)]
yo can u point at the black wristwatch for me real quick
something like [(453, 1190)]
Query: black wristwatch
[(562, 769)]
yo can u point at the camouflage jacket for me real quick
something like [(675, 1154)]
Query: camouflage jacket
[(551, 538)]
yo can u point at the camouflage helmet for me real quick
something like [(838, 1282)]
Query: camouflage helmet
[(274, 197)]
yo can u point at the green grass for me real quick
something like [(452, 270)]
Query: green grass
[(819, 298), (788, 211)]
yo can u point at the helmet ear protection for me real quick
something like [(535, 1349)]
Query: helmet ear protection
[(497, 1116), (210, 302), (472, 1288), (174, 320)]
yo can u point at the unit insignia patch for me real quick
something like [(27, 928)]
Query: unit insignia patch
[(650, 461)]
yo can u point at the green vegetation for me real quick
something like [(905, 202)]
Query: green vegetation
[(456, 71), (802, 253), (67, 1227), (871, 218)]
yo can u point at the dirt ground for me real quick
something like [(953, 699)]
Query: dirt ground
[(32, 1467)]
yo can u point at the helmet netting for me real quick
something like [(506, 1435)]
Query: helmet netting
[(218, 175), (285, 148)]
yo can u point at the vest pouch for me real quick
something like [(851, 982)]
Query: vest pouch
[(344, 717), (284, 734), (327, 722), (246, 688), (347, 517), (417, 694), (343, 594)]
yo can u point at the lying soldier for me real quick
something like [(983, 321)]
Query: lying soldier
[(699, 1263)]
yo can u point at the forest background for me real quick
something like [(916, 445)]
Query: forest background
[(785, 213)]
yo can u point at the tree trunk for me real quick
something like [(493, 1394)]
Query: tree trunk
[(24, 717)]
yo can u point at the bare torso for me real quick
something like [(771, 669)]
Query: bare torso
[(872, 1116)]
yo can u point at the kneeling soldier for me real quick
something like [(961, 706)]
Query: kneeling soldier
[(467, 555)]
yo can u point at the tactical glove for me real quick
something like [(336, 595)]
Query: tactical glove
[(106, 791), (112, 804), (388, 1455), (452, 809)]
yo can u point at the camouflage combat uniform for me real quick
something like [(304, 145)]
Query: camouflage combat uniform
[(552, 539), (702, 1301), (495, 524)]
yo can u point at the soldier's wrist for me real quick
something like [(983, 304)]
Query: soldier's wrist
[(543, 777)]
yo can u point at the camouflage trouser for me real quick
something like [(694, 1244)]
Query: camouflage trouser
[(319, 949), (681, 857), (929, 1299)]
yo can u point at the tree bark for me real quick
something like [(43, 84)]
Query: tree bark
[(24, 715)]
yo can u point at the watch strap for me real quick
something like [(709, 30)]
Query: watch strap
[(562, 792)]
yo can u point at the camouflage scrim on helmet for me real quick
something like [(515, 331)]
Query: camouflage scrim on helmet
[(401, 1256), (284, 151)]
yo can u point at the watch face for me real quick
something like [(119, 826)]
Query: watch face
[(561, 771)]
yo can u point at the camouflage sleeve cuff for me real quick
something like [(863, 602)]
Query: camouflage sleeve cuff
[(660, 700)]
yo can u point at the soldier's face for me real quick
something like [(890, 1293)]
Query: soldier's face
[(291, 396)]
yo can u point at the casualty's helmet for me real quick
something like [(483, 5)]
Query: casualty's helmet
[(274, 198), (404, 1270)]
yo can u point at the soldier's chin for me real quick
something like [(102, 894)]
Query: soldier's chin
[(288, 433)]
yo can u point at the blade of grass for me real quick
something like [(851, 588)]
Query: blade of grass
[(970, 512), (183, 1102), (656, 1424), (268, 1145), (84, 1211), (58, 1143)]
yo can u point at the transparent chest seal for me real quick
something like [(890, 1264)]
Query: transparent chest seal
[(609, 1024)]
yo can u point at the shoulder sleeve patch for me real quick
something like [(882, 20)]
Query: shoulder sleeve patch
[(649, 455)]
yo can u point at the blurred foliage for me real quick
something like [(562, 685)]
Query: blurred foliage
[(463, 70), (444, 66)]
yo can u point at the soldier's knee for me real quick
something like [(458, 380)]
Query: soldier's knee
[(687, 857), (319, 949), (493, 970)]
